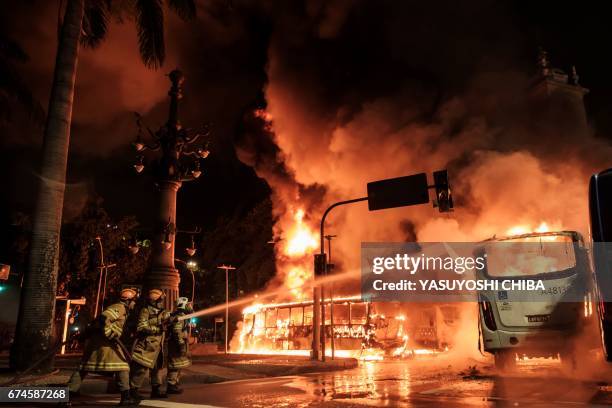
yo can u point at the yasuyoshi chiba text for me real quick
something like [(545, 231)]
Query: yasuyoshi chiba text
[(459, 285)]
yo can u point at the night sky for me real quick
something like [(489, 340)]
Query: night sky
[(346, 52)]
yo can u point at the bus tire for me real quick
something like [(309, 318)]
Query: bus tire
[(505, 360)]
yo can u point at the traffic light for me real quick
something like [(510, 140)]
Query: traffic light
[(444, 198), (319, 264), (5, 271)]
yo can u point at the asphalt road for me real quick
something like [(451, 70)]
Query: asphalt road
[(424, 382)]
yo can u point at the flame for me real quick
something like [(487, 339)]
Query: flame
[(286, 338), (528, 228), (301, 238), (294, 261)]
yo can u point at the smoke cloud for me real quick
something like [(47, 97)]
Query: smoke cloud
[(332, 122)]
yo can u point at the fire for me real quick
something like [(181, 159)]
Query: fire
[(301, 238), (295, 256), (527, 228), (296, 278), (285, 329)]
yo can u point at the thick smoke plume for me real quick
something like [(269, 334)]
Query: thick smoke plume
[(516, 158), (349, 105)]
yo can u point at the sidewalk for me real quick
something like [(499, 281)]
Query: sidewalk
[(204, 370)]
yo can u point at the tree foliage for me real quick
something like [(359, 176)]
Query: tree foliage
[(242, 241), (80, 257)]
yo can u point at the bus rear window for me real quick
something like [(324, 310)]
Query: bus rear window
[(530, 257)]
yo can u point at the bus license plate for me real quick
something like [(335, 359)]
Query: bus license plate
[(538, 318)]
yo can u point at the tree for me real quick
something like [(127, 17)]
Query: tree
[(80, 255), (85, 22), (242, 240)]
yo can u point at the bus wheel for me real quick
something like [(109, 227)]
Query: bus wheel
[(505, 360)]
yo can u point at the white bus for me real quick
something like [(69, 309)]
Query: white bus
[(544, 324)]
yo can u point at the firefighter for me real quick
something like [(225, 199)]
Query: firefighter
[(178, 347), (104, 351), (147, 353)]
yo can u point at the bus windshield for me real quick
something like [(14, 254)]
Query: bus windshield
[(530, 256)]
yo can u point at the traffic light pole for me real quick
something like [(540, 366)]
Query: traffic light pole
[(382, 194), (318, 315)]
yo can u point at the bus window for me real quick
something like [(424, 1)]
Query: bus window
[(297, 316), (307, 315), (341, 314), (283, 315), (248, 321), (260, 320), (358, 313), (328, 314), (450, 314), (521, 259), (271, 317)]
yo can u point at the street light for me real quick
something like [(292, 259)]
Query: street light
[(103, 273), (177, 163), (191, 266), (226, 268), (328, 269)]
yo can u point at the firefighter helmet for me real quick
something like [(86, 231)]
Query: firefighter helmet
[(155, 294), (182, 302), (128, 294)]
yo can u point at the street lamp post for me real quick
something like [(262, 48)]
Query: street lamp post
[(226, 268), (331, 295), (190, 266), (170, 170), (101, 278)]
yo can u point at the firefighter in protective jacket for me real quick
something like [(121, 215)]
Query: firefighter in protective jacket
[(104, 351), (178, 347), (147, 352)]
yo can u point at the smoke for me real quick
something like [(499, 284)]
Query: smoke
[(515, 157), (348, 102)]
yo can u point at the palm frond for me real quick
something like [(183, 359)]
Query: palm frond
[(13, 88), (95, 22), (150, 25), (185, 9)]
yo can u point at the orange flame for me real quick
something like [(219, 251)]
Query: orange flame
[(301, 238)]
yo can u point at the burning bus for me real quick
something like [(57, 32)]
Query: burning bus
[(545, 324), (361, 329)]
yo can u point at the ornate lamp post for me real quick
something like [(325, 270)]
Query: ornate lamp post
[(176, 164)]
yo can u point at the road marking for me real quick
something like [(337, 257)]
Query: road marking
[(163, 404)]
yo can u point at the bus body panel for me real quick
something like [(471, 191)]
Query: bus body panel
[(541, 327)]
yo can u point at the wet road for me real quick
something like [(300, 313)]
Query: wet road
[(425, 382)]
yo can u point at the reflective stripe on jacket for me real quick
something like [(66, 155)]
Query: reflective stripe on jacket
[(150, 336), (101, 352)]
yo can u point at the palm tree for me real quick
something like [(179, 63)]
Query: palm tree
[(84, 23)]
